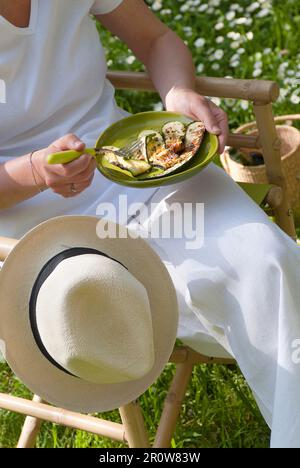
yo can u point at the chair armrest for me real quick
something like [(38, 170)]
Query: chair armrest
[(258, 91)]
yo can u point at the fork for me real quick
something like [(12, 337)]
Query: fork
[(65, 157)]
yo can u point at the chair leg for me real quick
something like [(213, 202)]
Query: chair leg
[(134, 425), (271, 150), (30, 429), (172, 405)]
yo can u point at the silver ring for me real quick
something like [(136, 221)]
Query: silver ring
[(73, 189)]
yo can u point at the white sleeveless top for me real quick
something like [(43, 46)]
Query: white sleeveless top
[(54, 83)]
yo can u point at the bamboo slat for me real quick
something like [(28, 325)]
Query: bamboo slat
[(259, 91), (30, 429), (172, 405), (270, 144), (134, 425), (62, 417)]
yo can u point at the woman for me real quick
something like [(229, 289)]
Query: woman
[(238, 292)]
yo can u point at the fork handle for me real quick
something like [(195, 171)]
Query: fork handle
[(65, 157)]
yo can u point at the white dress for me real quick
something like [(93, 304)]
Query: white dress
[(239, 292)]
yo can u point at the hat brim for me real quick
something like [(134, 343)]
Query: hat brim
[(17, 277)]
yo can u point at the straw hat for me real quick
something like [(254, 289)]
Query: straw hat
[(88, 323)]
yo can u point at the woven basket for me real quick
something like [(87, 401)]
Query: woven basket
[(290, 158)]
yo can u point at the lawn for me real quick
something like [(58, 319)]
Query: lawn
[(247, 39)]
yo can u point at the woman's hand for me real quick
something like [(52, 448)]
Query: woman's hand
[(190, 103), (69, 179)]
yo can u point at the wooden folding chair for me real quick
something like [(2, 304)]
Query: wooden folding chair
[(132, 430)]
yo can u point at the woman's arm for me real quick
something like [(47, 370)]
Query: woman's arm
[(21, 178), (168, 62), (17, 182)]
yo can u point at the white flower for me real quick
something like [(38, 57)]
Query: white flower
[(241, 20), (219, 39), (229, 102), (234, 35), (253, 7), (214, 3), (282, 94), (188, 30), (258, 55), (158, 106), (235, 45), (166, 11), (234, 63), (281, 69), (258, 64), (267, 51), (230, 15), (216, 101), (199, 42), (234, 57), (249, 35), (241, 50), (295, 99), (203, 8), (157, 5), (219, 54), (290, 72), (178, 17), (219, 26), (184, 8), (257, 72), (244, 105), (130, 59), (210, 11), (215, 66), (234, 6), (262, 13), (200, 68)]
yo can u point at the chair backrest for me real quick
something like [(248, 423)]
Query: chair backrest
[(261, 94)]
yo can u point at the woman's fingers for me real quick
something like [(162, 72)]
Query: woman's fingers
[(73, 168), (222, 120), (73, 188), (214, 118), (86, 173), (202, 111), (68, 142)]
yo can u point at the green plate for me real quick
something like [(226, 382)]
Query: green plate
[(126, 131)]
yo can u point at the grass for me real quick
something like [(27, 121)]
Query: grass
[(245, 39), (218, 411)]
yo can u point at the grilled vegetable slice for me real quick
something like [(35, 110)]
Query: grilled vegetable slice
[(134, 166), (177, 165), (157, 153), (194, 136), (193, 139), (174, 134)]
